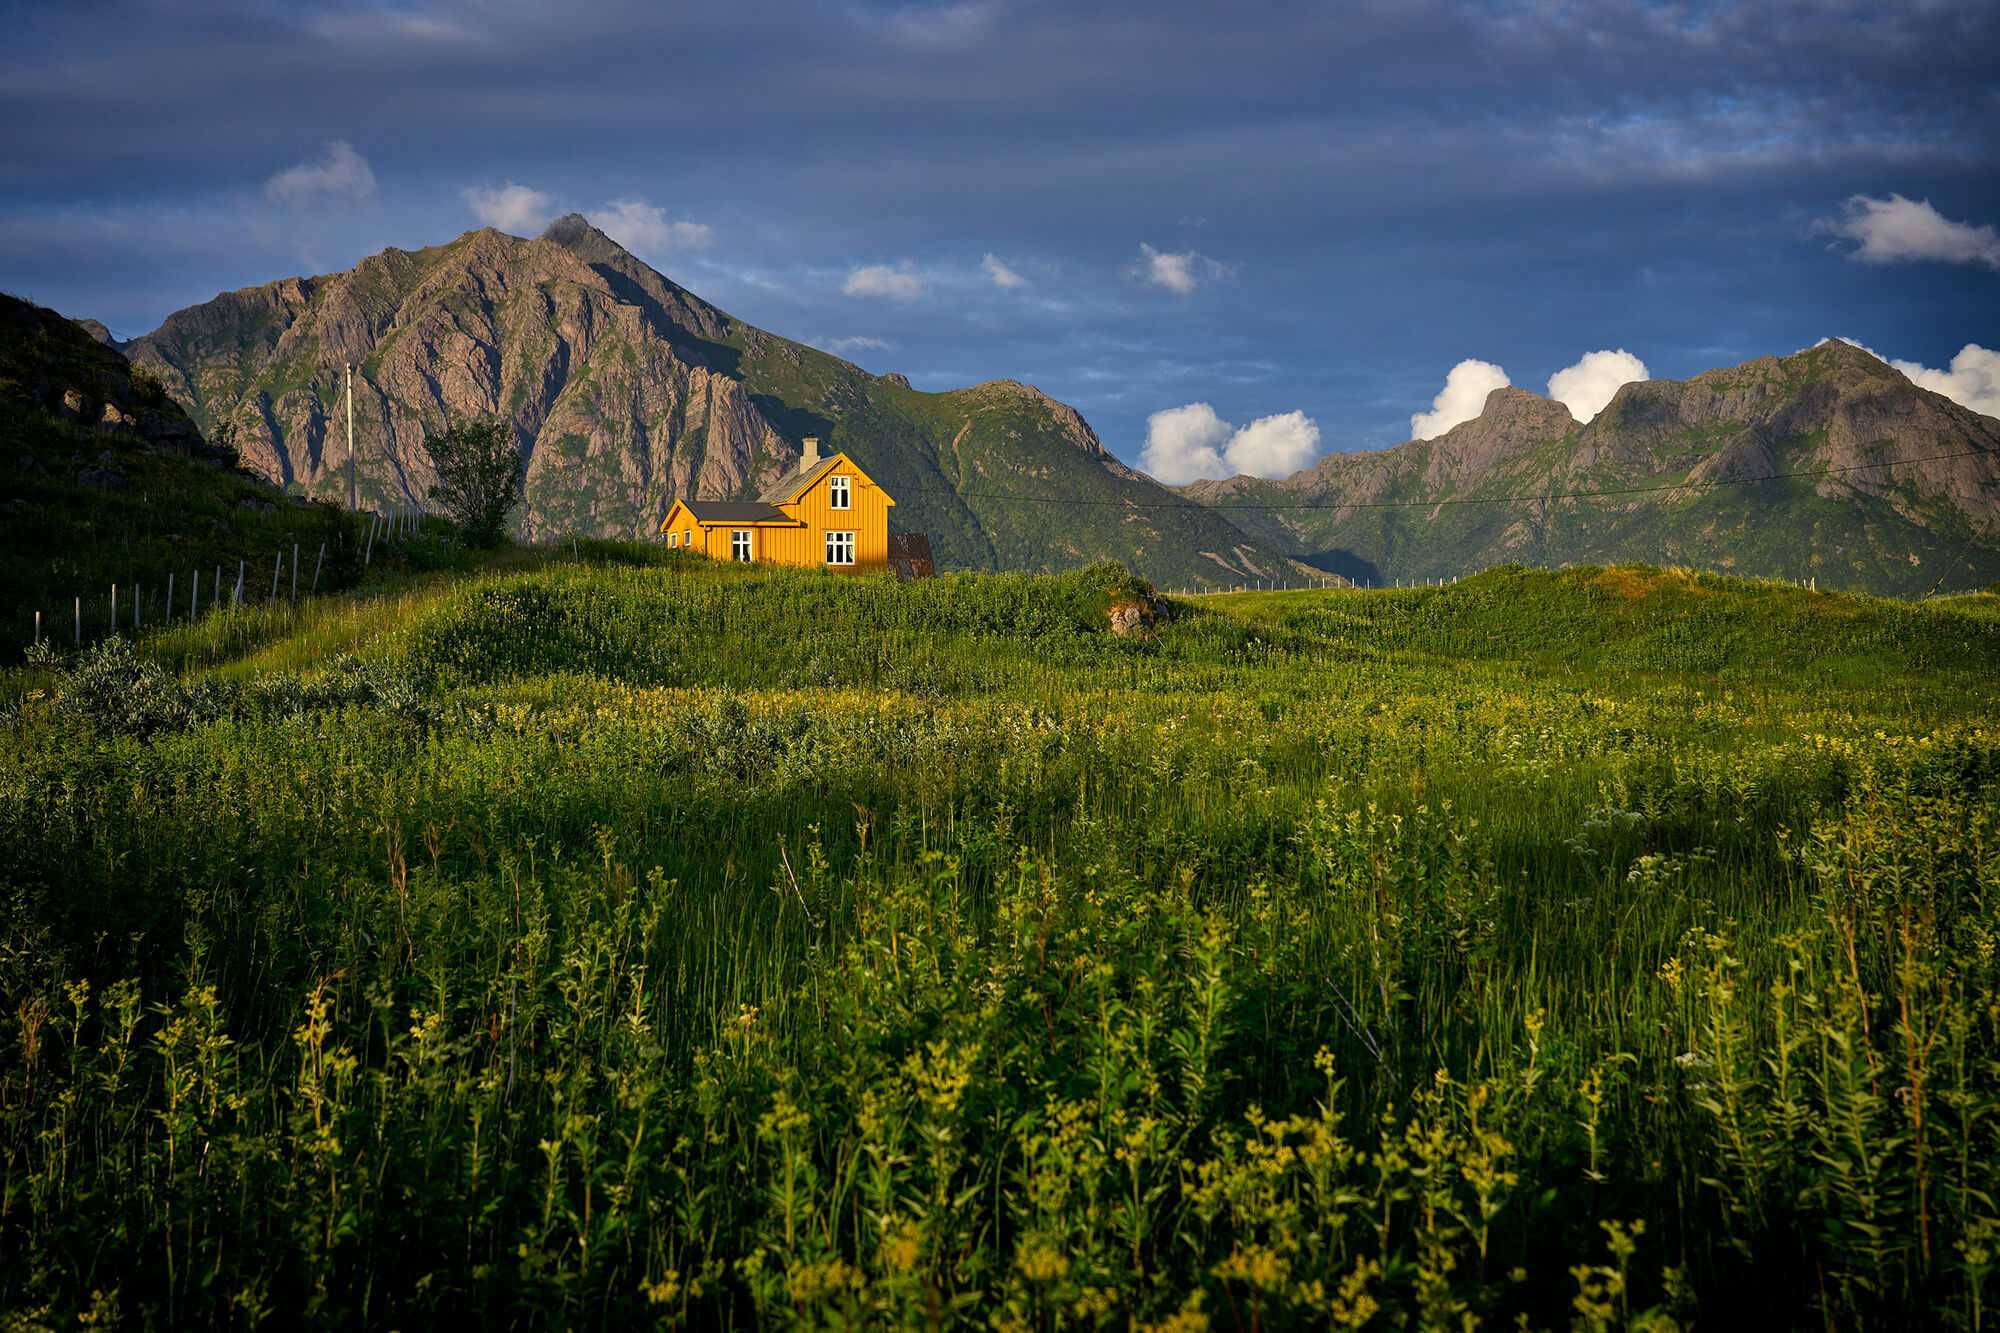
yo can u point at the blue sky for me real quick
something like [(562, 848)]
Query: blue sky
[(1301, 215)]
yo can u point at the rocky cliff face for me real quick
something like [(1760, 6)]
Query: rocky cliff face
[(629, 392), (617, 406), (1828, 464)]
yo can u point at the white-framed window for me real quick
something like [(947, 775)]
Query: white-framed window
[(674, 540), (840, 548), (687, 539), (739, 545), (837, 495)]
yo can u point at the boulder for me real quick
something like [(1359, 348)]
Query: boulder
[(104, 479), (73, 403), (1137, 615)]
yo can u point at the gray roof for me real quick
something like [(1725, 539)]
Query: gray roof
[(794, 484), (736, 511)]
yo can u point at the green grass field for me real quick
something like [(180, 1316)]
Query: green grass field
[(633, 940)]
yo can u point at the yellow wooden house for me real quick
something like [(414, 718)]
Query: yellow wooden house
[(825, 514)]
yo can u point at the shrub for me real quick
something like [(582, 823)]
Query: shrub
[(479, 477)]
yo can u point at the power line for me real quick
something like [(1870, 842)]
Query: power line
[(1435, 503)]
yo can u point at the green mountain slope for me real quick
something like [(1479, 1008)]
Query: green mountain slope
[(1893, 489), (629, 392), (104, 480)]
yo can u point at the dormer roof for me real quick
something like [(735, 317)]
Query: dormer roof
[(794, 484)]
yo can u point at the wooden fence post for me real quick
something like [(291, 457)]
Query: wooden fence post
[(277, 568), (316, 567), (295, 571), (170, 598), (236, 594), (114, 608), (79, 622), (217, 598)]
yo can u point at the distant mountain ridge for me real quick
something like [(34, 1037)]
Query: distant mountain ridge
[(1828, 464), (629, 392)]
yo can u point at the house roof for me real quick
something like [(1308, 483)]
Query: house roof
[(735, 511), (794, 484)]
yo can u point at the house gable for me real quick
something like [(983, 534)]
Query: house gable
[(795, 522)]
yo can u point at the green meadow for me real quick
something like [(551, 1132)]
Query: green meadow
[(628, 940)]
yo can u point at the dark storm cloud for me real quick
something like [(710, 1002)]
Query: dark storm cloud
[(1386, 188)]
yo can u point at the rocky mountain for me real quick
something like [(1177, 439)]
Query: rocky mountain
[(629, 392), (1828, 465)]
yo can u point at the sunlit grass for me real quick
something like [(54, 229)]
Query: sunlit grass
[(631, 941)]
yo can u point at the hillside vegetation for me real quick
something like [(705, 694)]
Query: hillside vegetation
[(636, 939), (104, 480), (1826, 465)]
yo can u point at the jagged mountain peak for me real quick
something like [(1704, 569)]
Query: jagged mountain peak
[(574, 232), (1512, 410)]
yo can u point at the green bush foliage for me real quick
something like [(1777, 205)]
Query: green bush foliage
[(479, 476), (777, 949)]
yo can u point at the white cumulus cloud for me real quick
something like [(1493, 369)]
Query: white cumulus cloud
[(1587, 386), (645, 231), (1274, 446), (898, 284), (1183, 443), (1973, 380), (1176, 272), (1896, 229), (1461, 399), (341, 174), (512, 208), (1002, 275)]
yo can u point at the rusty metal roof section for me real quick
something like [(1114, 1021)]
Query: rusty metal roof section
[(736, 511), (910, 556)]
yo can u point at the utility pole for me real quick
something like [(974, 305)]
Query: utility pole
[(350, 437)]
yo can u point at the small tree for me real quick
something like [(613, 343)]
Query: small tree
[(479, 476)]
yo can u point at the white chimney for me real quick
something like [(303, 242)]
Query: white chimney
[(809, 453)]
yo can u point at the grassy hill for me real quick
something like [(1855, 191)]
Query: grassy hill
[(104, 480), (634, 939)]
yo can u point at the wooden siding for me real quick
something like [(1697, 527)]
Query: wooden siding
[(867, 519), (803, 542)]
